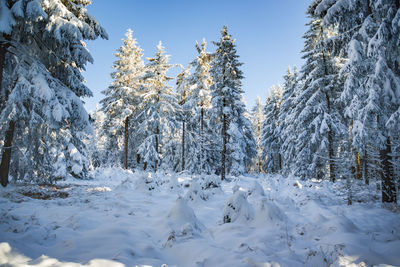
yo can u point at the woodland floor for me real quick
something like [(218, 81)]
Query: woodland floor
[(115, 220)]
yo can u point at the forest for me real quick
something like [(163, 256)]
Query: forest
[(330, 133)]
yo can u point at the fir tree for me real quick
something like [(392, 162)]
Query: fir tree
[(270, 139), (257, 117), (229, 113), (122, 98), (370, 37), (41, 113), (158, 111)]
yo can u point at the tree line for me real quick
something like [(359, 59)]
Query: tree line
[(337, 117)]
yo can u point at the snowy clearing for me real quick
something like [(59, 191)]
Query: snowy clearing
[(115, 220)]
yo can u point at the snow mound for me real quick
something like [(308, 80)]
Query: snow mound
[(181, 215), (182, 222), (256, 189), (195, 192), (146, 181), (237, 208), (269, 211)]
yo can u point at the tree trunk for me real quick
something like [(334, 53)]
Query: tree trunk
[(126, 143), (388, 184), (6, 158), (358, 173), (183, 145), (224, 141), (365, 167), (3, 52), (201, 139), (156, 161)]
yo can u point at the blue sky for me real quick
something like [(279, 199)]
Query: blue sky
[(268, 35)]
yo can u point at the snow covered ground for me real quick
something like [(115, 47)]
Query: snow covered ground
[(126, 219)]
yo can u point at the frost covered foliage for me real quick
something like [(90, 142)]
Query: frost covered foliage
[(270, 139), (202, 153), (158, 111), (371, 93), (319, 122), (237, 208), (229, 115), (287, 120), (257, 119), (122, 99), (42, 119)]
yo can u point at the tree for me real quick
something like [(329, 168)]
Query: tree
[(229, 112), (257, 117), (270, 139), (320, 122), (122, 97), (41, 116), (158, 110), (372, 79), (287, 120)]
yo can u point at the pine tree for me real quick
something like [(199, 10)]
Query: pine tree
[(158, 111), (270, 139), (41, 113), (229, 113), (202, 152), (257, 117), (122, 98), (287, 120), (320, 122), (370, 37)]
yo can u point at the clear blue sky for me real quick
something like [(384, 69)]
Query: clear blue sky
[(268, 35)]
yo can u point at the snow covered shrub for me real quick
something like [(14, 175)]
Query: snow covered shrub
[(183, 222), (237, 207), (256, 189), (195, 191), (147, 181), (269, 211), (210, 181)]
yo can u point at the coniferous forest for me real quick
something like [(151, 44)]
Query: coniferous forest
[(313, 169)]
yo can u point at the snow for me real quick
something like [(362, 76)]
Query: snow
[(123, 218)]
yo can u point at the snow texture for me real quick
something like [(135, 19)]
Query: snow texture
[(109, 221)]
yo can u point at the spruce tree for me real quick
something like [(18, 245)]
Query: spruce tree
[(370, 36), (41, 113), (122, 98), (158, 111), (270, 139), (257, 118), (229, 112)]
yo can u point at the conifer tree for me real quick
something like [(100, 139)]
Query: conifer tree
[(257, 117), (158, 111), (320, 122), (229, 112), (270, 139), (122, 98), (287, 120), (42, 118), (370, 32)]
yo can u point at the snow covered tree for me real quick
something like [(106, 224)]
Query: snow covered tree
[(158, 111), (183, 90), (320, 123), (42, 119), (202, 153), (257, 118), (229, 112), (122, 99), (370, 32), (270, 139), (287, 120)]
